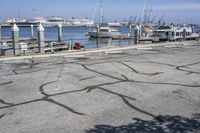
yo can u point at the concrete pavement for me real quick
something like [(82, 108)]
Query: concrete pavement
[(132, 90)]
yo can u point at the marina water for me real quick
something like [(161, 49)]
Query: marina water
[(74, 34)]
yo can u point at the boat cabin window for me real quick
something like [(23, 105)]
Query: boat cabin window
[(104, 30), (188, 33), (177, 34)]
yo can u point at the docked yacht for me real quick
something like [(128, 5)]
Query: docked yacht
[(73, 22), (54, 21), (87, 22), (104, 32), (173, 33), (37, 19)]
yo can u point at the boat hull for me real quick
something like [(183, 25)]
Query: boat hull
[(104, 34)]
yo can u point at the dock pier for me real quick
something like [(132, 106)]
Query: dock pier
[(35, 44)]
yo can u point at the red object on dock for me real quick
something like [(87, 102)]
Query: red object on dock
[(77, 46)]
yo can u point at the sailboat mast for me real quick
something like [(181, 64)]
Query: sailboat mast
[(143, 12), (147, 13), (101, 6)]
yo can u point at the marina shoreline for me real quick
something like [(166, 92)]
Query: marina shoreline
[(97, 50)]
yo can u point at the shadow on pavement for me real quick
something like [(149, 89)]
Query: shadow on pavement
[(169, 124)]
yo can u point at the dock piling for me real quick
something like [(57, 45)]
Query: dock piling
[(40, 31), (15, 38), (136, 39), (130, 30), (32, 32), (184, 34), (70, 45), (59, 33)]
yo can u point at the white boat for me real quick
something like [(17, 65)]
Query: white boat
[(114, 24), (172, 33), (87, 22), (73, 22), (37, 19), (10, 20), (54, 21), (104, 32)]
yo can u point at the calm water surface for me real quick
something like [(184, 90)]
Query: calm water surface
[(76, 34)]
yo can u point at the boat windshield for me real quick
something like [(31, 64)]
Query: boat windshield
[(164, 27), (104, 30)]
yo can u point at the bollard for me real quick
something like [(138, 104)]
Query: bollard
[(136, 39), (140, 31), (51, 45), (130, 30), (70, 45), (32, 32), (59, 33), (15, 38), (40, 31), (184, 34), (97, 28)]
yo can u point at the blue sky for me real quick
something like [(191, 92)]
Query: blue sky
[(187, 10)]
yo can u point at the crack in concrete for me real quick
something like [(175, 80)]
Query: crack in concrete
[(10, 82), (179, 68), (135, 71), (83, 79), (45, 98), (6, 103), (1, 116)]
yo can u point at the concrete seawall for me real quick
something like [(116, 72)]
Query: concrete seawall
[(96, 50)]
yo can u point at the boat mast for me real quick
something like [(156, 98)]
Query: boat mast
[(95, 10), (101, 7), (147, 13)]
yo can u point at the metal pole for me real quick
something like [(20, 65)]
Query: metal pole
[(41, 39), (15, 38), (32, 32), (59, 33)]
